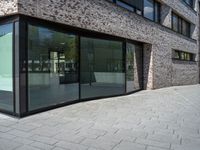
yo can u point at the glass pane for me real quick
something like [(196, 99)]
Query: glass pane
[(180, 25), (133, 67), (157, 12), (176, 55), (184, 27), (52, 67), (135, 3), (122, 4), (189, 2), (188, 56), (148, 9), (175, 22), (6, 67), (102, 70), (182, 55), (187, 29)]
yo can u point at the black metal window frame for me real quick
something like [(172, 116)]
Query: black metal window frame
[(135, 10), (180, 25), (132, 6), (158, 12), (190, 3), (183, 56), (154, 11), (21, 55)]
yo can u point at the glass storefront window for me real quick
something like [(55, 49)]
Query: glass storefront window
[(102, 69), (52, 67), (43, 66), (6, 67)]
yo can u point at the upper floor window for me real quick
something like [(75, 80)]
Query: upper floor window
[(125, 5), (148, 8), (180, 25), (137, 4), (189, 2), (132, 5), (181, 55), (152, 10)]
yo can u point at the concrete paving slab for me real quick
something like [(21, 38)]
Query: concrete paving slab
[(164, 119)]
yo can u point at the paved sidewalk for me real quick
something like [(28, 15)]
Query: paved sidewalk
[(165, 119)]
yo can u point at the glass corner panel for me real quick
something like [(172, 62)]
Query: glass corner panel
[(6, 67)]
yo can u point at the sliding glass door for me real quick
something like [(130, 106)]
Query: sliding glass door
[(102, 68), (6, 67)]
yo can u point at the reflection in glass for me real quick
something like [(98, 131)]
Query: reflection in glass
[(102, 70), (122, 4), (185, 28), (133, 67), (148, 9), (6, 73), (52, 67), (157, 12), (175, 23)]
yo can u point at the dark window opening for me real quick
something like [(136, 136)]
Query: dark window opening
[(189, 2), (152, 10), (180, 25), (134, 6), (185, 56)]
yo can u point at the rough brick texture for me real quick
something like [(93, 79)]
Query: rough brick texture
[(8, 7)]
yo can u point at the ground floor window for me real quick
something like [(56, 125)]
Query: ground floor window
[(52, 67), (102, 68), (57, 74), (45, 64), (6, 67)]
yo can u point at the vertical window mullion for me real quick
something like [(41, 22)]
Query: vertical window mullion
[(159, 12), (188, 29), (172, 20)]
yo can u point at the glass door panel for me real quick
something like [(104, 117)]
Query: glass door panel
[(102, 70)]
